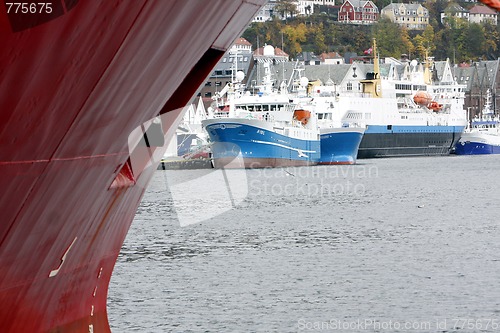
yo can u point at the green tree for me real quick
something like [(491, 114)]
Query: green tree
[(435, 8), (476, 42), (389, 38)]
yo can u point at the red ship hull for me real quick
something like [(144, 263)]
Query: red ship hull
[(74, 83)]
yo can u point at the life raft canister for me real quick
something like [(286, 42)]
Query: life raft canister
[(302, 116)]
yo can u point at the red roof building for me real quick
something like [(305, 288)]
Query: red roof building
[(358, 12)]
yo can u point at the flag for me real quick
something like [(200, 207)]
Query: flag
[(369, 51)]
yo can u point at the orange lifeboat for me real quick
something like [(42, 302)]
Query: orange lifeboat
[(435, 106), (422, 98), (302, 116)]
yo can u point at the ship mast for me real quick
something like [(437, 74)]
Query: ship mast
[(372, 84), (427, 71), (376, 68)]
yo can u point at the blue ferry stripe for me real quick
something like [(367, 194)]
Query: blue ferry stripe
[(413, 129)]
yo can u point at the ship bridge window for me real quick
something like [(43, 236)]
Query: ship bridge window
[(273, 107), (265, 107), (250, 108), (258, 107), (354, 115)]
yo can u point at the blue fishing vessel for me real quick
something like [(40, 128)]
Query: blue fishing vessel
[(339, 142), (340, 145), (262, 130), (483, 135)]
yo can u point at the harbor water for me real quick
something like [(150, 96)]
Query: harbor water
[(387, 245)]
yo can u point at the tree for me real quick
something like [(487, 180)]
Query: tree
[(286, 8), (318, 38), (476, 45), (295, 36), (424, 43), (492, 36), (389, 38), (408, 45)]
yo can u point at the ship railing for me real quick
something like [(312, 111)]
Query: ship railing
[(355, 94), (221, 115)]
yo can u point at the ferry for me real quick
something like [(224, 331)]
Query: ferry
[(406, 114)]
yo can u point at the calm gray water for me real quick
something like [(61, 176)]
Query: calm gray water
[(388, 245)]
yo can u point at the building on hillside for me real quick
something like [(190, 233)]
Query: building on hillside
[(305, 7), (410, 16), (482, 14), (324, 2), (266, 13), (238, 58), (456, 11), (331, 58), (358, 12)]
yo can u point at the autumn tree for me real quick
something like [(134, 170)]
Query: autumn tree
[(294, 37), (286, 8), (317, 38), (409, 48), (424, 43)]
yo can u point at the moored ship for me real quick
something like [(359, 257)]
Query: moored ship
[(482, 137), (406, 114), (77, 79), (267, 129), (339, 142)]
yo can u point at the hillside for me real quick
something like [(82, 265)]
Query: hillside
[(459, 40)]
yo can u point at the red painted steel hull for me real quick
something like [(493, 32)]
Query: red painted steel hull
[(73, 86)]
